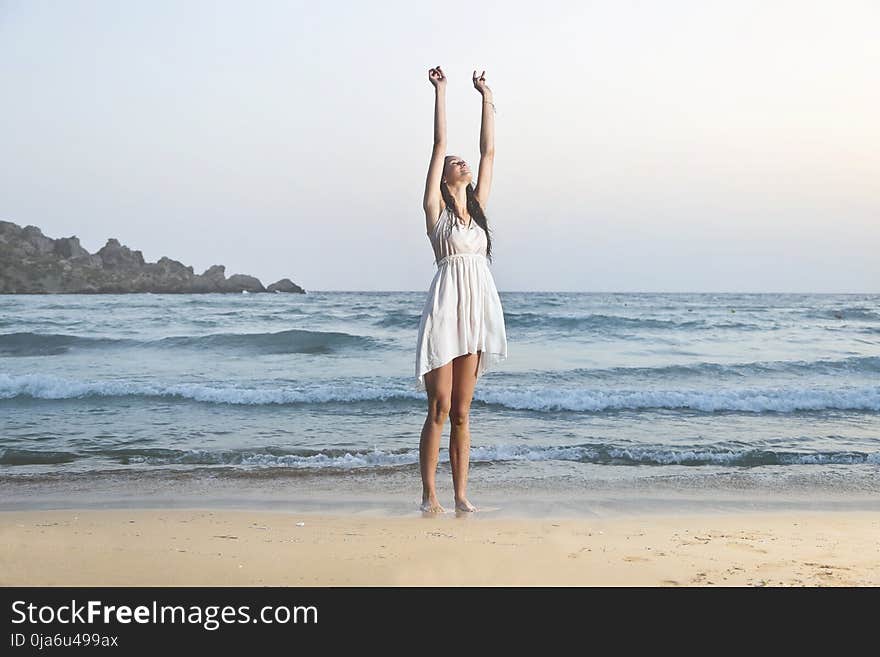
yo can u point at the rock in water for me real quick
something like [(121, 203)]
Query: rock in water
[(285, 285), (31, 263)]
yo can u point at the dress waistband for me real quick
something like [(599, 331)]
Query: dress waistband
[(453, 256)]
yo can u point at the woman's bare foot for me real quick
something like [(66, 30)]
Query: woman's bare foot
[(431, 505), (464, 505)]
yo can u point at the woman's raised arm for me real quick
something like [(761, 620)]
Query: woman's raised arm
[(487, 141), (431, 202)]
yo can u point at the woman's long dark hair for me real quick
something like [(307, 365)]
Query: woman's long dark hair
[(474, 210)]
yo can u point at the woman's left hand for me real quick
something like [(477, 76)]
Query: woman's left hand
[(480, 83)]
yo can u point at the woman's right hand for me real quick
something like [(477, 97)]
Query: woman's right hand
[(437, 77)]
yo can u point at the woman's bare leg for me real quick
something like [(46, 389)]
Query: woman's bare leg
[(438, 383), (464, 379)]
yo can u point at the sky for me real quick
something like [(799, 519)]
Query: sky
[(674, 146)]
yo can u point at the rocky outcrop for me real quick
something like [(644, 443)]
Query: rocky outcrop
[(284, 285), (31, 263)]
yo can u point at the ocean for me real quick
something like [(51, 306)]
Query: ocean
[(608, 402)]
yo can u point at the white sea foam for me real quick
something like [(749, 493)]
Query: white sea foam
[(751, 399), (585, 453), (777, 399)]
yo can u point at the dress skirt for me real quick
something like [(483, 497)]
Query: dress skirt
[(462, 315)]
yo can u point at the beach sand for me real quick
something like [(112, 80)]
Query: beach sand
[(217, 547)]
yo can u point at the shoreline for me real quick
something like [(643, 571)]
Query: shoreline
[(396, 492), (205, 546), (622, 506)]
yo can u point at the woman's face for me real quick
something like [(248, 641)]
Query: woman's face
[(457, 171)]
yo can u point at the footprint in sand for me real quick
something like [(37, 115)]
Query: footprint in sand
[(825, 565), (747, 546)]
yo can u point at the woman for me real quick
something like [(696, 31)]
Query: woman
[(461, 332)]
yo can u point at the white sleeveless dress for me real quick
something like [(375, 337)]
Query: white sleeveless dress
[(463, 313)]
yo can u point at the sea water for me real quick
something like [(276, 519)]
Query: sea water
[(606, 400)]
